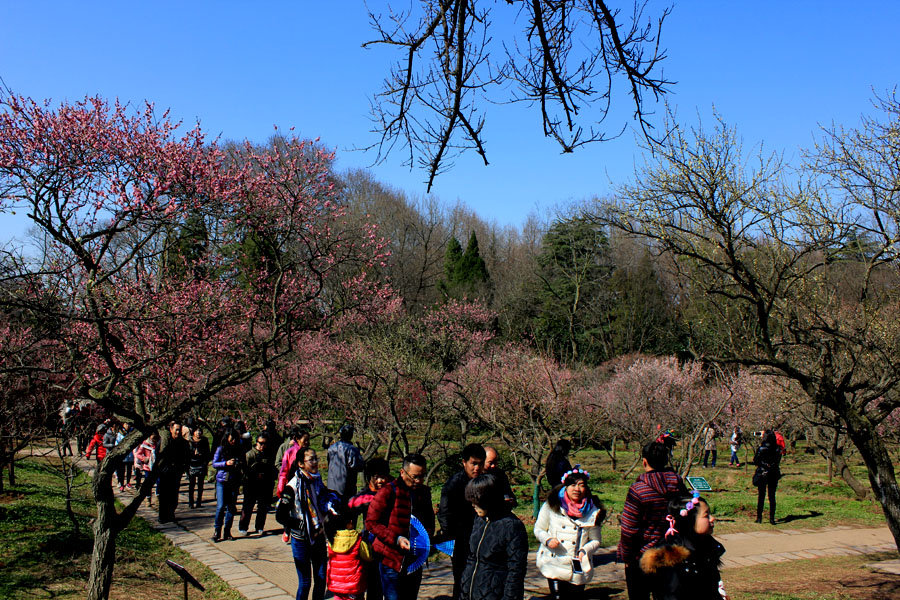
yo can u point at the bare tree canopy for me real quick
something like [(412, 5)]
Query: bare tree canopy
[(568, 59)]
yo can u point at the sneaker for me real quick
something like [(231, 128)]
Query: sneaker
[(243, 532), (252, 532), (121, 488)]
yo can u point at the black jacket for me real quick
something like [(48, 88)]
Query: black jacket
[(455, 514), (199, 454), (768, 462), (498, 553), (683, 569)]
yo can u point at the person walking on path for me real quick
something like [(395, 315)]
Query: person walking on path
[(177, 452), (737, 440), (643, 519), (144, 461), (456, 514), (389, 521), (498, 546), (568, 529), (377, 474), (492, 466), (349, 554), (558, 462), (299, 441), (258, 485), (126, 465), (302, 508), (197, 467), (229, 464), (685, 564), (344, 464), (768, 471), (709, 444), (96, 446)]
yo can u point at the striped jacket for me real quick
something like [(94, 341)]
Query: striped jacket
[(643, 519)]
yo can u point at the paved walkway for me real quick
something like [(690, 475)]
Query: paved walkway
[(261, 567)]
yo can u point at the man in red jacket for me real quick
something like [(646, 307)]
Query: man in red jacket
[(388, 520)]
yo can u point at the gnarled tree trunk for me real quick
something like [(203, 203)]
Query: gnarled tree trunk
[(882, 476)]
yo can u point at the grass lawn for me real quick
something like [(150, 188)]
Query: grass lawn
[(805, 498), (41, 558), (836, 578)]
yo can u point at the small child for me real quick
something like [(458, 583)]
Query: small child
[(346, 576), (685, 564)]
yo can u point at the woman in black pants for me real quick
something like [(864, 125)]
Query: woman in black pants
[(768, 471)]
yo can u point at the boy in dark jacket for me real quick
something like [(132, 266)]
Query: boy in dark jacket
[(456, 514), (388, 520), (498, 547)]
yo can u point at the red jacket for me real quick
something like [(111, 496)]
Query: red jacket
[(346, 575), (388, 518), (96, 442)]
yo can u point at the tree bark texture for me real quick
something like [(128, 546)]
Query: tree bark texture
[(882, 476), (106, 530)]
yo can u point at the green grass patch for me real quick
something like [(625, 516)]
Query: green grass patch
[(42, 557)]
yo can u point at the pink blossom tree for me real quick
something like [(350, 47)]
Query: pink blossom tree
[(393, 372), (105, 186), (528, 401), (644, 394)]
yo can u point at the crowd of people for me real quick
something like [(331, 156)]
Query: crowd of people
[(364, 543)]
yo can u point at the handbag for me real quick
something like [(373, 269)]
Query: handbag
[(760, 477)]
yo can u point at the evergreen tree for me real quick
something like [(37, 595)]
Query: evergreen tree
[(185, 253), (465, 273)]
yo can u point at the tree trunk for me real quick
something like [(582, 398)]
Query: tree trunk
[(106, 530), (104, 557), (838, 462), (880, 466), (12, 473)]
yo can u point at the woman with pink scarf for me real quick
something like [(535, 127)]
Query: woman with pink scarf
[(568, 528)]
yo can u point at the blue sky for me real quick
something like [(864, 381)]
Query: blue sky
[(776, 70)]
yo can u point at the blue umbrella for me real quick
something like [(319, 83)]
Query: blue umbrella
[(419, 545)]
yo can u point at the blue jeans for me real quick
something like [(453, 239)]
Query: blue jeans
[(399, 587), (734, 458), (308, 555), (226, 504)]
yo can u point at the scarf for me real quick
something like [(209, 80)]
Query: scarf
[(312, 499), (569, 507)]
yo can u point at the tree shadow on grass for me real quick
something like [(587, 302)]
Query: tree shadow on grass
[(809, 515)]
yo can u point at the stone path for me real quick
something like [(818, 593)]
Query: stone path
[(261, 567)]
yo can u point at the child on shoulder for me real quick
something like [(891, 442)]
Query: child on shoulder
[(347, 551), (685, 564)]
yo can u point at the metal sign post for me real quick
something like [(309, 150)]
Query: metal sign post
[(186, 577)]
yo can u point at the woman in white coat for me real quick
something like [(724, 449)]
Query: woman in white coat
[(568, 528)]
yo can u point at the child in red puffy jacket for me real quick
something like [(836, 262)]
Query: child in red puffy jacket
[(346, 577)]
